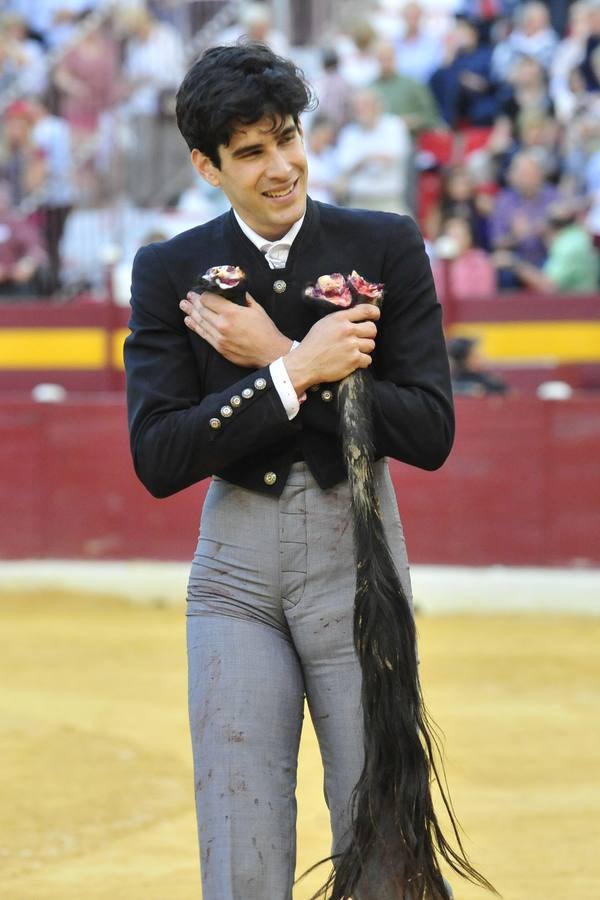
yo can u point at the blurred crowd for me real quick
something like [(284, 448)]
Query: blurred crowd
[(481, 118)]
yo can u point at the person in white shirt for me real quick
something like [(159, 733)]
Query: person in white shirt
[(373, 153), (418, 51), (322, 159), (533, 36), (153, 67)]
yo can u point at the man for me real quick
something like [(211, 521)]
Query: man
[(532, 35), (40, 165), (22, 255), (404, 96), (571, 266), (373, 154), (463, 86), (419, 50), (519, 218), (467, 368), (228, 392)]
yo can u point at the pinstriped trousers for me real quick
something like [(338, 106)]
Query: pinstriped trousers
[(269, 621)]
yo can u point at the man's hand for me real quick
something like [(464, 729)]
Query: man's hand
[(335, 346), (245, 335)]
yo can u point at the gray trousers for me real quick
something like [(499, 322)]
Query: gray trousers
[(270, 609)]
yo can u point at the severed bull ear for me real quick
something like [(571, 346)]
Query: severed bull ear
[(226, 281), (337, 291)]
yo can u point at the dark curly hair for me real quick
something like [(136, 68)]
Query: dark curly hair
[(234, 85)]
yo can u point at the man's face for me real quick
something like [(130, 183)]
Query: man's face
[(263, 173), (525, 176)]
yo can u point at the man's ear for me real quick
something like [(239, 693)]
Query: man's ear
[(206, 168)]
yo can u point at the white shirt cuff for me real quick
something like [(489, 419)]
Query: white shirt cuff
[(284, 387)]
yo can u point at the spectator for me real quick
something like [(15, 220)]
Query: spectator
[(55, 22), (537, 134), (528, 92), (333, 91), (540, 136), (568, 56), (51, 140), (322, 161), (418, 51), (467, 369), (582, 157), (87, 77), (460, 199), (23, 65), (373, 153), (358, 63), (519, 218), (572, 262), (256, 24), (404, 96), (153, 67), (22, 255), (487, 14), (463, 85), (592, 186), (532, 36), (590, 67), (22, 164), (467, 272), (153, 61)]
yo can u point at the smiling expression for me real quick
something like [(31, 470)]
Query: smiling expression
[(263, 173)]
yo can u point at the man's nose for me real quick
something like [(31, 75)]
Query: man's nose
[(279, 166)]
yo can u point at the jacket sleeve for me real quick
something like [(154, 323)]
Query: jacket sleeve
[(180, 434), (413, 415), (413, 412)]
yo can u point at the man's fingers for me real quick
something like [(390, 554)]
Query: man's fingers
[(365, 345), (366, 329), (362, 312), (364, 361), (210, 301), (199, 311), (203, 329)]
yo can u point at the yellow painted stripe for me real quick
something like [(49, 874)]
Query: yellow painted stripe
[(509, 342), (52, 348), (534, 342), (117, 347)]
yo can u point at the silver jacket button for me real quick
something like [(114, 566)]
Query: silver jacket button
[(226, 411), (269, 478), (236, 400), (215, 423), (260, 384), (325, 395), (247, 393), (279, 286)]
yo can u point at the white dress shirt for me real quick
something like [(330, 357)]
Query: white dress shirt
[(279, 373)]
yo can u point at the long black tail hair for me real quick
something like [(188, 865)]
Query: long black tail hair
[(395, 833)]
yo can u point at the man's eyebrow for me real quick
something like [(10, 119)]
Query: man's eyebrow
[(248, 148), (251, 148)]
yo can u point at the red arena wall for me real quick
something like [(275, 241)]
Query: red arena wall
[(521, 487)]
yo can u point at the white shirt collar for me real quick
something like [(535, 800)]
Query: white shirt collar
[(259, 241)]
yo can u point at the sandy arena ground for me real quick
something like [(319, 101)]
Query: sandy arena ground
[(95, 771)]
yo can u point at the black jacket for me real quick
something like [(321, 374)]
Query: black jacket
[(177, 383)]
